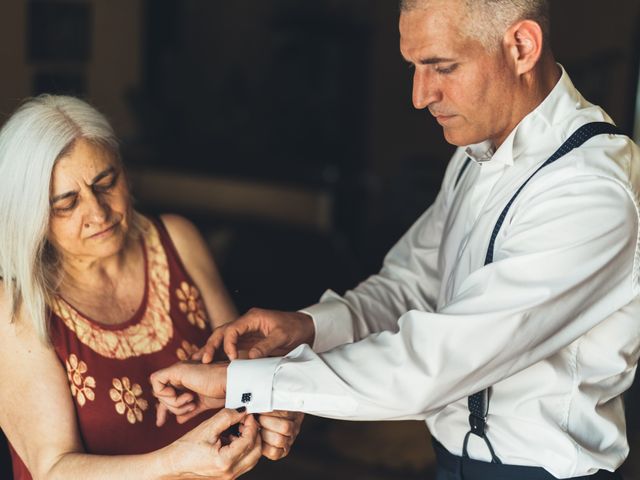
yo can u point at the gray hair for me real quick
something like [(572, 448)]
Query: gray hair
[(487, 20), (42, 130)]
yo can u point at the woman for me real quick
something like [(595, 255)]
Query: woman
[(94, 298)]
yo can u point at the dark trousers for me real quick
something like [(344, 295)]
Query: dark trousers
[(452, 467)]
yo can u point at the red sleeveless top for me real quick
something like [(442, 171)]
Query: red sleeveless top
[(108, 366)]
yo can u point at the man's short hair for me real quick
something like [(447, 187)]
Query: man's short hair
[(487, 20)]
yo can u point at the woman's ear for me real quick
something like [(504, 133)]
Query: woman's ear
[(524, 42)]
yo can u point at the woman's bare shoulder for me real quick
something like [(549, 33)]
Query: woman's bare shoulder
[(200, 264), (188, 241), (180, 229)]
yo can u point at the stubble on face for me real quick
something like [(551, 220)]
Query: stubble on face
[(471, 102)]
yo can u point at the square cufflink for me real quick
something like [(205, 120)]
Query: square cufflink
[(246, 398)]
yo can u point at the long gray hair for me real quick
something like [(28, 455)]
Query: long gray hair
[(31, 141)]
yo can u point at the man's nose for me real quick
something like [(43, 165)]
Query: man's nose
[(425, 90)]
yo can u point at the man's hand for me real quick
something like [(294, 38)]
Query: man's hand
[(265, 332), (206, 452), (187, 389), (279, 431)]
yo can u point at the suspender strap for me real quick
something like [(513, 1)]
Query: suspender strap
[(478, 403), (580, 136), (462, 170)]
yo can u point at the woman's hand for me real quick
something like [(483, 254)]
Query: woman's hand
[(205, 452), (188, 388)]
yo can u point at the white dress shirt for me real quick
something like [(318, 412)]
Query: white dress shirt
[(552, 325)]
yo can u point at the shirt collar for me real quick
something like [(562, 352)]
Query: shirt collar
[(562, 100)]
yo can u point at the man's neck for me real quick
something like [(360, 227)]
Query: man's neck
[(535, 86)]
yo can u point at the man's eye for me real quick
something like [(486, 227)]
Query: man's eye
[(446, 70)]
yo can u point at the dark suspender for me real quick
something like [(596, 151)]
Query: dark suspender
[(462, 170), (478, 403)]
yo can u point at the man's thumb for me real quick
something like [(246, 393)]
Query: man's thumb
[(266, 346)]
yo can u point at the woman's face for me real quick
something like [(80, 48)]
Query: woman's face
[(90, 203)]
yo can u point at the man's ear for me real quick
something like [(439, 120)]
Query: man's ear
[(524, 43)]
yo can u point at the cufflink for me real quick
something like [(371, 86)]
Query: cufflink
[(246, 398)]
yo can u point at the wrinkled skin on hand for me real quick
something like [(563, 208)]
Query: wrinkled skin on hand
[(263, 332), (202, 452), (189, 388), (186, 391)]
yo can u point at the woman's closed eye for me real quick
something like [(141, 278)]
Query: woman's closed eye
[(105, 184), (65, 204)]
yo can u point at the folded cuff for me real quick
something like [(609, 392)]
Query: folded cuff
[(250, 384)]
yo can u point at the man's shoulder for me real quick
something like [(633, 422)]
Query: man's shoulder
[(608, 156)]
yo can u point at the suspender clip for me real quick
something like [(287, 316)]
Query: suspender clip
[(478, 425)]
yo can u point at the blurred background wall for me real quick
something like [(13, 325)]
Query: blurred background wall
[(285, 130)]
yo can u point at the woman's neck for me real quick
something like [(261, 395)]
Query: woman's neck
[(91, 273)]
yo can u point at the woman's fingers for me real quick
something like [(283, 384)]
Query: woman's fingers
[(161, 414), (222, 420), (246, 449)]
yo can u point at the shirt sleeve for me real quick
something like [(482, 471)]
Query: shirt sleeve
[(567, 260)]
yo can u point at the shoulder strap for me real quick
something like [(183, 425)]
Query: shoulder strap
[(580, 136), (478, 403), (462, 170)]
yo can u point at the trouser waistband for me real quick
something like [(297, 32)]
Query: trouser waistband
[(469, 469)]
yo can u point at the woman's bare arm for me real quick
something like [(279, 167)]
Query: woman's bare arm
[(279, 429), (199, 262), (38, 417)]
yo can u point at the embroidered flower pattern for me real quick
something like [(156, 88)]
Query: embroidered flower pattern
[(152, 333), (126, 398), (191, 304), (186, 350), (81, 386)]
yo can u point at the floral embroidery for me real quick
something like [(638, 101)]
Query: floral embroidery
[(81, 386), (126, 399), (186, 350), (152, 333), (191, 304)]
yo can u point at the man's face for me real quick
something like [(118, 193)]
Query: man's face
[(467, 88)]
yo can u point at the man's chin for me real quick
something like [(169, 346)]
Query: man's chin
[(454, 138), (458, 137)]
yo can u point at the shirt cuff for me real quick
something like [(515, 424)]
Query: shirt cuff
[(332, 323), (250, 384)]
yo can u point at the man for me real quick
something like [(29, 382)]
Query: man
[(508, 316)]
